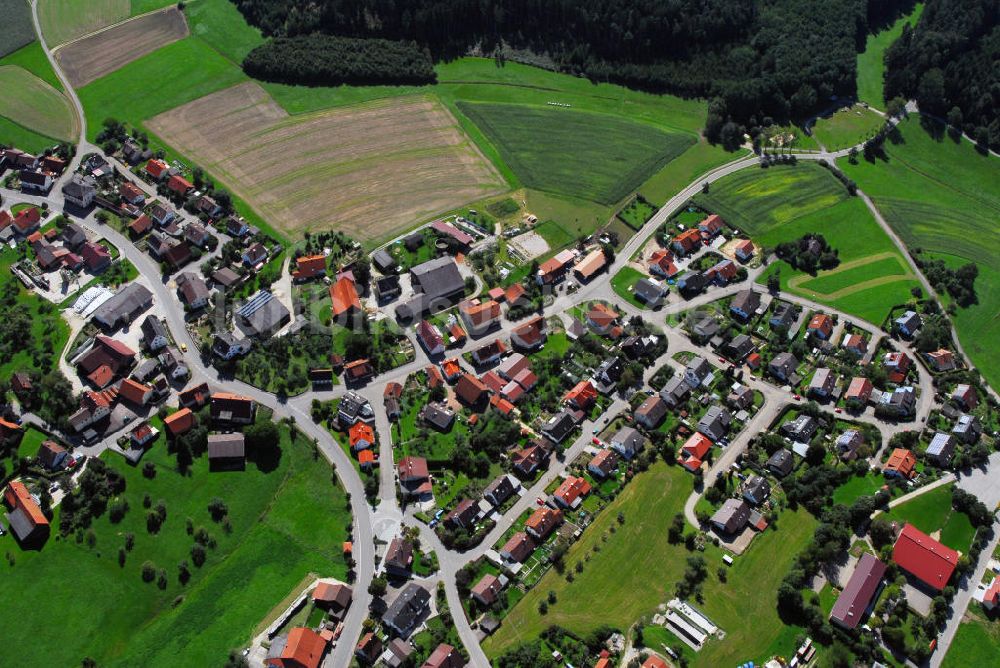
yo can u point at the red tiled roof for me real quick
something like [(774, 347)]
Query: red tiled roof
[(141, 224), (179, 184), (132, 391), (582, 395), (308, 266), (470, 389), (18, 496), (304, 649), (925, 558), (179, 422), (344, 297), (902, 462), (860, 388), (571, 489), (156, 168), (361, 431)]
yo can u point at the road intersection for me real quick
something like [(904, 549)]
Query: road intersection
[(387, 514)]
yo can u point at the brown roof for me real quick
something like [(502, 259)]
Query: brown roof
[(470, 389), (225, 446)]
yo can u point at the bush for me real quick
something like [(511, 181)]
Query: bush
[(148, 571)]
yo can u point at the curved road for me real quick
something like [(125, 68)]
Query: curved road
[(365, 517)]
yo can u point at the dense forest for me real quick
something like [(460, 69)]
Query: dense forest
[(329, 60), (949, 63), (755, 58)]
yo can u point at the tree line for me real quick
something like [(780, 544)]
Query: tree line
[(327, 60), (756, 60), (948, 64)]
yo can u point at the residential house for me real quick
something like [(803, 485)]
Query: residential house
[(361, 436), (26, 519), (661, 263), (430, 338), (941, 449), (157, 169), (601, 318), (489, 353), (741, 397), (501, 489), (527, 460), (352, 408), (582, 396), (964, 396), (693, 282), (855, 343), (604, 463), (967, 428), (901, 402), (801, 429), (782, 366), (693, 452), (226, 451), (897, 364), (142, 435), (738, 347), (436, 283), (542, 522), (414, 478), (358, 371), (745, 304), (438, 416), (686, 242), (858, 597), (131, 194), (530, 335), (94, 407), (518, 548), (697, 372), (95, 256), (179, 185), (553, 269), (35, 181), (399, 557), (51, 455), (715, 423), (470, 390), (722, 273), (924, 558), (387, 288), (179, 422), (782, 316), (650, 292), (513, 365), (781, 463), (335, 597), (172, 362), (859, 391), (488, 589), (444, 655), (237, 228), (901, 464), (344, 299), (479, 317), (676, 391), (822, 383), (226, 278), (627, 442), (227, 346), (196, 234), (192, 290), (820, 326), (262, 315), (590, 266), (370, 647), (255, 255), (80, 190), (732, 517), (711, 226), (744, 250), (941, 359), (608, 373), (848, 443), (651, 412), (162, 214), (463, 515), (230, 408), (196, 396), (135, 393), (756, 490), (908, 323), (408, 608)]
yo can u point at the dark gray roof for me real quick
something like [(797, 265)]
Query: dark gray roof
[(559, 426), (500, 489), (745, 301), (437, 416), (225, 445), (124, 305), (648, 291), (384, 262), (404, 612), (265, 318), (438, 277), (781, 461)]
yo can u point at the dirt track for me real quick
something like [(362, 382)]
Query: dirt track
[(370, 169), (92, 57)]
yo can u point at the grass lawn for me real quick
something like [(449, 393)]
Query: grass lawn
[(598, 157), (285, 523), (637, 213), (30, 442), (944, 198), (624, 281), (871, 66), (220, 24), (66, 20), (183, 71), (977, 642), (36, 105), (47, 331), (27, 140), (625, 583), (783, 203), (33, 59), (565, 219), (858, 486), (847, 127), (932, 512)]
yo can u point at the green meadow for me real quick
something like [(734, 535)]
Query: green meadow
[(285, 523), (944, 197), (785, 202), (871, 65)]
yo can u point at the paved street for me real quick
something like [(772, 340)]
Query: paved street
[(387, 515)]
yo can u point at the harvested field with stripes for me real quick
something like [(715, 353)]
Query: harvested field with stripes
[(371, 170), (92, 57)]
